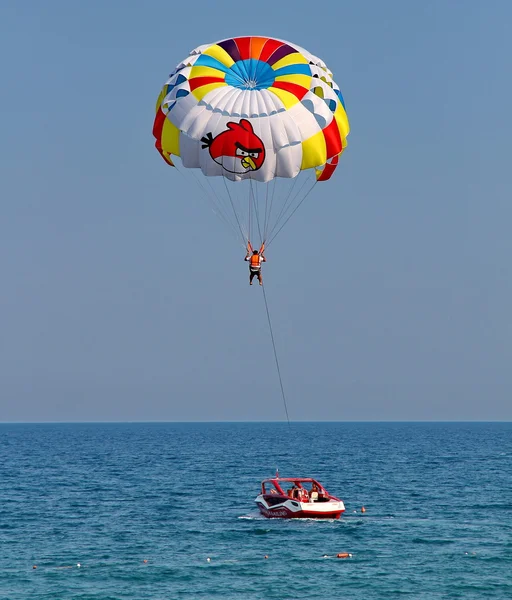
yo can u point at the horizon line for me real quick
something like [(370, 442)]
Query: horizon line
[(284, 422)]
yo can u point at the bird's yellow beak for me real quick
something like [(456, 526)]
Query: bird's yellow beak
[(248, 163)]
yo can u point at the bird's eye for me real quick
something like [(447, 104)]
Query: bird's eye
[(240, 152), (254, 154)]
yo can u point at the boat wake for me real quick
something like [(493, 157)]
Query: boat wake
[(255, 516)]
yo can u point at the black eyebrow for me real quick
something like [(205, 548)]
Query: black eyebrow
[(239, 146)]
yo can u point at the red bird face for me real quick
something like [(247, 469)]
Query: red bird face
[(238, 149)]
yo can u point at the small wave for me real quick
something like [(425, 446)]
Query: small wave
[(260, 531), (493, 506), (432, 542)]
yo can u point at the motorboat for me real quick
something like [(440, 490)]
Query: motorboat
[(297, 498)]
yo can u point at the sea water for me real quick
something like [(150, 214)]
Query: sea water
[(128, 511)]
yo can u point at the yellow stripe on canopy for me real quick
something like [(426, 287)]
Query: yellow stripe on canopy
[(295, 58), (220, 54), (287, 98), (314, 151), (205, 72), (342, 120), (200, 92), (303, 80), (170, 138), (161, 97)]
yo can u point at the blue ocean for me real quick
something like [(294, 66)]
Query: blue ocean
[(142, 507)]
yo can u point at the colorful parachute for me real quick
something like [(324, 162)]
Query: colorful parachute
[(252, 109)]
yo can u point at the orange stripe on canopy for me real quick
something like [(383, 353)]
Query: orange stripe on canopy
[(257, 44)]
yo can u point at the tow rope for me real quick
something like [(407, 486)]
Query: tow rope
[(275, 355)]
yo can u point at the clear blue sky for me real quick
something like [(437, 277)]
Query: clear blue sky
[(402, 307)]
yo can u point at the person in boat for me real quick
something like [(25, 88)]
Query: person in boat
[(293, 491), (255, 261), (313, 495), (303, 495)]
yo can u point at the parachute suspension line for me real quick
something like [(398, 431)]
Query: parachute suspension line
[(291, 198), (276, 358), (222, 202), (261, 213), (266, 214), (217, 206), (244, 236), (271, 205), (285, 203), (256, 210), (292, 213), (250, 212)]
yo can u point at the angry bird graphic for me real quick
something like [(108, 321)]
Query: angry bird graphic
[(237, 149)]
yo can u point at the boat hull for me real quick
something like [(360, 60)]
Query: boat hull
[(285, 508)]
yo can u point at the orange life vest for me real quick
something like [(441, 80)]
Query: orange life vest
[(255, 262)]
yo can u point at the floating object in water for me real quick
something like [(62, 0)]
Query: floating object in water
[(363, 509), (266, 556), (145, 560), (78, 565), (35, 566), (208, 559), (297, 498), (343, 555)]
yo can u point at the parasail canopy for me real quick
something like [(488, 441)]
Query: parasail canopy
[(252, 108)]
